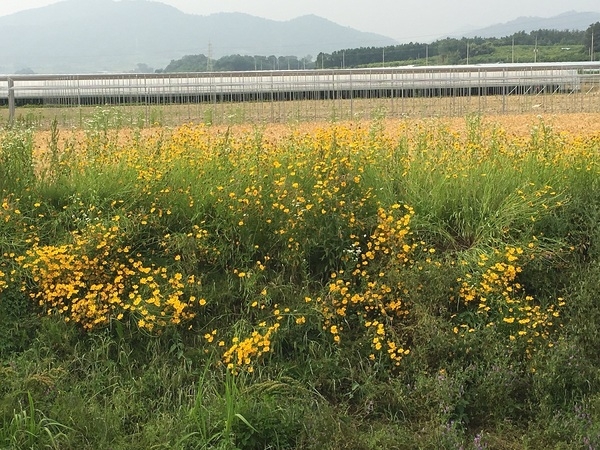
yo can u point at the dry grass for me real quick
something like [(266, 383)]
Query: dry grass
[(515, 124), (586, 101)]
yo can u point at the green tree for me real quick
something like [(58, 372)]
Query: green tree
[(189, 63), (592, 37), (235, 63)]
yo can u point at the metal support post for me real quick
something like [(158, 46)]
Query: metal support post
[(11, 101)]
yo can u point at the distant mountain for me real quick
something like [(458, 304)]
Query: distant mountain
[(104, 35), (571, 20)]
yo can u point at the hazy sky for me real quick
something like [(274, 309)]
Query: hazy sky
[(403, 20)]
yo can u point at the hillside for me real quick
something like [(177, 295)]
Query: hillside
[(104, 35), (571, 20), (542, 45)]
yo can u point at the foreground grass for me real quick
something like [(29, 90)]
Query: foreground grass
[(366, 285)]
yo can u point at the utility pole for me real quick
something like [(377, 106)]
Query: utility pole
[(426, 54), (535, 51), (592, 47), (209, 59), (467, 53), (343, 59), (513, 50), (383, 58), (11, 100)]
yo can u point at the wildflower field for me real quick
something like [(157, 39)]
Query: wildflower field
[(384, 284)]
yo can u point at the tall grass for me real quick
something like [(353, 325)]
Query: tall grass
[(351, 285)]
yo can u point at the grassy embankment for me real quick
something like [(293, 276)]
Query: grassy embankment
[(404, 284), (504, 54)]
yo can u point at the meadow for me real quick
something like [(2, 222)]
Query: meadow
[(368, 284)]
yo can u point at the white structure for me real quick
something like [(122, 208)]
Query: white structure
[(270, 86)]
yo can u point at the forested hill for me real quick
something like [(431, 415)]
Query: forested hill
[(542, 45), (536, 46)]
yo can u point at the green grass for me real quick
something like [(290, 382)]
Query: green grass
[(272, 229), (504, 54)]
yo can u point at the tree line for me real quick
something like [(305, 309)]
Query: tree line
[(457, 51), (573, 45), (202, 63)]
